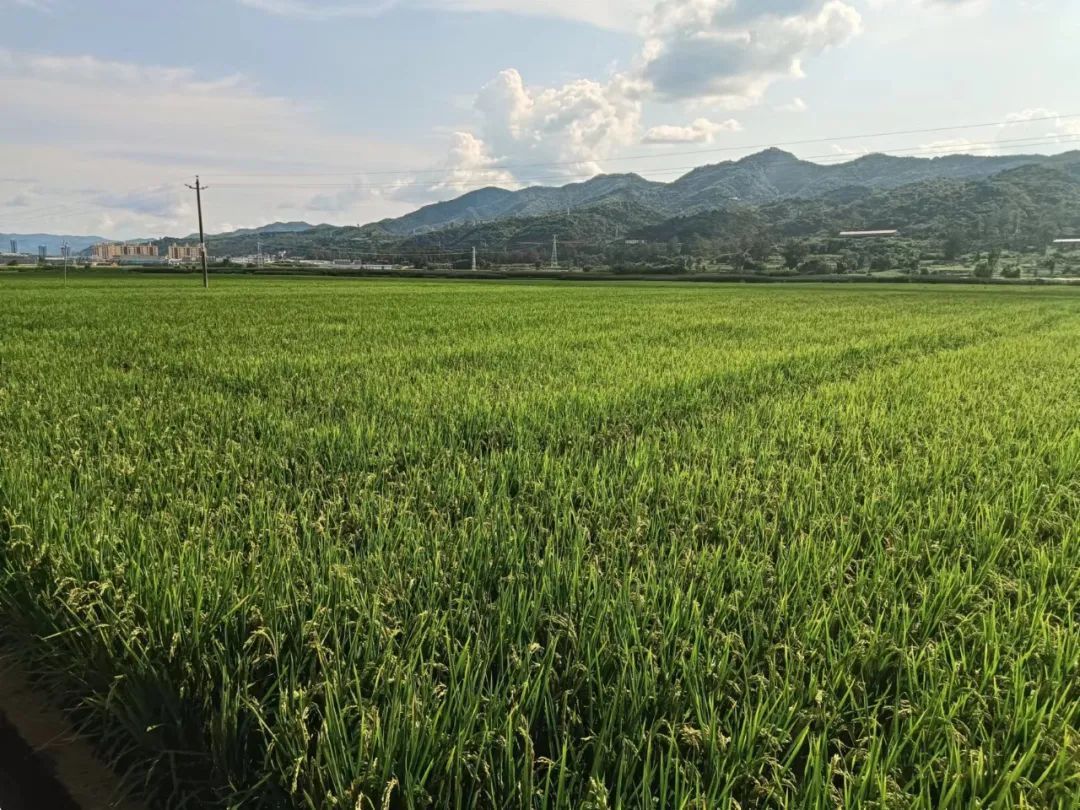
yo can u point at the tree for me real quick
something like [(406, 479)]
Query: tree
[(760, 248), (954, 246), (794, 252), (847, 262), (814, 266), (984, 269), (751, 246)]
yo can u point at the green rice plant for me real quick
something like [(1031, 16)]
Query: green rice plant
[(365, 544)]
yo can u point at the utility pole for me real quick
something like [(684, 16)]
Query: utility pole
[(202, 237), (258, 252), (555, 252), (474, 258), (66, 250)]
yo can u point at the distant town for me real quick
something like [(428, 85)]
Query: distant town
[(148, 254), (103, 253)]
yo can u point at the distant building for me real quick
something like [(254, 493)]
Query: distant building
[(867, 234), (184, 253), (111, 251), (15, 259), (14, 247), (42, 252)]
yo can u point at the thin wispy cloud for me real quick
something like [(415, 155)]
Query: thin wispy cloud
[(796, 105), (36, 5), (318, 10), (72, 116), (612, 14)]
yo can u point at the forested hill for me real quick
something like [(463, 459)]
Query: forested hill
[(1027, 206), (1024, 206), (1030, 205), (758, 179)]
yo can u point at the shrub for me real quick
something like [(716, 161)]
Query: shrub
[(815, 267)]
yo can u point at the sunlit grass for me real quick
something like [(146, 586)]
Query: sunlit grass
[(363, 544)]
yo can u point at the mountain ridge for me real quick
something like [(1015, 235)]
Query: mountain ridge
[(755, 179), (1024, 207), (620, 203)]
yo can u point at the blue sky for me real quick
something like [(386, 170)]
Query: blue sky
[(351, 110)]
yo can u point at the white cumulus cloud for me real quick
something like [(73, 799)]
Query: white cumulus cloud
[(731, 52), (469, 164), (573, 126), (702, 130), (724, 53)]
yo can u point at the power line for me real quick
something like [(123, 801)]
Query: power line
[(654, 155), (54, 208), (825, 159)]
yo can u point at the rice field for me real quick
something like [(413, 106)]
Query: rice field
[(387, 544)]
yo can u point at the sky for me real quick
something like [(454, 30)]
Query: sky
[(348, 111)]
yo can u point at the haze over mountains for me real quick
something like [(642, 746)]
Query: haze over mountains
[(793, 196), (29, 242)]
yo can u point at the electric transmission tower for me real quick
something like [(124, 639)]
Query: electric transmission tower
[(555, 252)]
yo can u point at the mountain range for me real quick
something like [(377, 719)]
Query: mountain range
[(1022, 200), (758, 179), (1014, 196), (273, 227)]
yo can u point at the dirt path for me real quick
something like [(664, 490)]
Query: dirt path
[(44, 764)]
